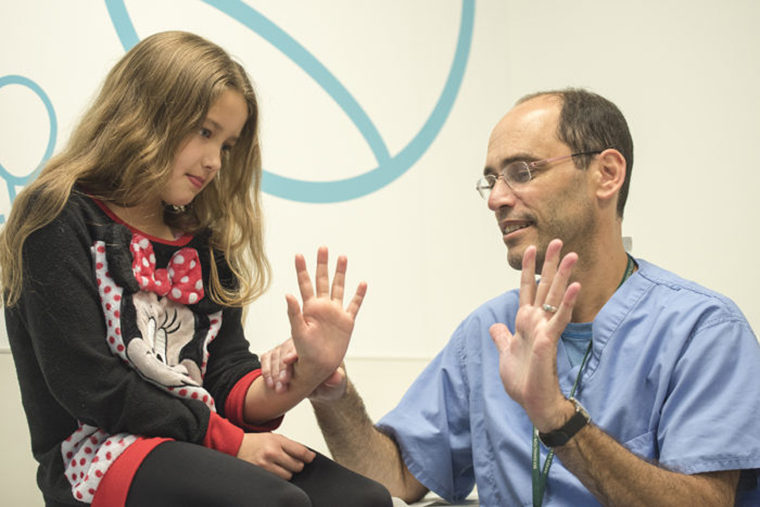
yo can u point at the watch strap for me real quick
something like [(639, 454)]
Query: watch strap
[(561, 435)]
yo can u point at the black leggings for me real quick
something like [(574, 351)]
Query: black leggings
[(189, 475)]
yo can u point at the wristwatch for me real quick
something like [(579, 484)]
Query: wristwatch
[(560, 436)]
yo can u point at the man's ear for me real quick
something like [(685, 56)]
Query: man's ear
[(610, 174)]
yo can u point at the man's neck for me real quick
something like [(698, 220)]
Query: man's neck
[(599, 279)]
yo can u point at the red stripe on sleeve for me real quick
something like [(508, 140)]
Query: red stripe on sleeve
[(235, 405), (222, 435)]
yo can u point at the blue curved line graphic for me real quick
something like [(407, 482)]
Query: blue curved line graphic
[(389, 168), (12, 180), (121, 22), (276, 36), (273, 34), (359, 186)]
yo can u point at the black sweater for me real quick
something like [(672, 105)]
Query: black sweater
[(105, 355)]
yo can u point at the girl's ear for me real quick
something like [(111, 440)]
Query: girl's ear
[(611, 172)]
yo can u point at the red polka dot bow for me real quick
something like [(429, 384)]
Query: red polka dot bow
[(180, 281)]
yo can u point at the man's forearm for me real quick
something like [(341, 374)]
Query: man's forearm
[(615, 476), (354, 442)]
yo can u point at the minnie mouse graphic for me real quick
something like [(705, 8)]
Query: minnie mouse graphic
[(159, 321)]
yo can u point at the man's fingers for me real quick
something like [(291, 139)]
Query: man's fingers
[(277, 365), (559, 320), (500, 335), (548, 271), (528, 276), (561, 279), (290, 358), (266, 371), (286, 371)]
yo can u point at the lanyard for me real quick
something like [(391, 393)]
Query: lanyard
[(539, 475)]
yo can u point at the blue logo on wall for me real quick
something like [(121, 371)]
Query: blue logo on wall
[(12, 181), (389, 167)]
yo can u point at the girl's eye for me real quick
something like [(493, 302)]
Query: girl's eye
[(226, 148), (205, 132)]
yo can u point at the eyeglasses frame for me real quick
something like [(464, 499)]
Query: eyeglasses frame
[(530, 166)]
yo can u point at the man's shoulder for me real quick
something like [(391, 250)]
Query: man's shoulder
[(672, 291), (475, 325), (500, 306)]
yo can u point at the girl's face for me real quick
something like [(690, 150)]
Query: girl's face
[(200, 154)]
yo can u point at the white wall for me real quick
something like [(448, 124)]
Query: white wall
[(685, 74)]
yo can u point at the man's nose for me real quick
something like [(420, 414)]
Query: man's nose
[(501, 195)]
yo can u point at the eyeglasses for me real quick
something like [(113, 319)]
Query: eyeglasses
[(516, 174)]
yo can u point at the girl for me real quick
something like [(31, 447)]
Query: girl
[(125, 267)]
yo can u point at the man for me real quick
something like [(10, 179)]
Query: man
[(643, 384)]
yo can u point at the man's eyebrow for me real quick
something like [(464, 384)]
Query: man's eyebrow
[(525, 157), (488, 170)]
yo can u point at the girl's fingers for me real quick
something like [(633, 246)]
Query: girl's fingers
[(356, 301), (339, 279), (322, 277), (294, 315), (304, 281)]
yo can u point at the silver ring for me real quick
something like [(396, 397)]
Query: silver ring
[(549, 308)]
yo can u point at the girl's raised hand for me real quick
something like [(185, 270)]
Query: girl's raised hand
[(322, 330)]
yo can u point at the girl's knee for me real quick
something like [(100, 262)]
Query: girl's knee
[(374, 494), (289, 496)]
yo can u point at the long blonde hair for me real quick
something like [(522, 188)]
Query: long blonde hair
[(122, 152)]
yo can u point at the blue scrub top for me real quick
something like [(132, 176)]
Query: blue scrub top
[(673, 376)]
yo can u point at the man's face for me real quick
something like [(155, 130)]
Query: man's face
[(557, 203)]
